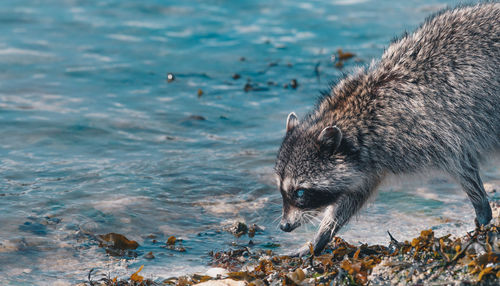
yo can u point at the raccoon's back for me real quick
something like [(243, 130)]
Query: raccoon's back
[(442, 89), (459, 45)]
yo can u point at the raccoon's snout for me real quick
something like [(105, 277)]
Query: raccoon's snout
[(287, 227)]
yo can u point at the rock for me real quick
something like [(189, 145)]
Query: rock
[(238, 229), (224, 282), (216, 272), (297, 276), (34, 227)]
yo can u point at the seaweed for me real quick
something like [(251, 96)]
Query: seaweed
[(340, 57), (426, 259)]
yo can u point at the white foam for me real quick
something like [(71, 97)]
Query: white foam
[(247, 29), (349, 2), (118, 203), (144, 24), (125, 38), (23, 52), (180, 34), (100, 58)]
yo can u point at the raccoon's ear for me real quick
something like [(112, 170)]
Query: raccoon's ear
[(291, 121), (330, 137)]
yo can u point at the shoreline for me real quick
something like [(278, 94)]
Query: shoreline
[(473, 258)]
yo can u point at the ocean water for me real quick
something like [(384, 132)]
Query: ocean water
[(93, 139)]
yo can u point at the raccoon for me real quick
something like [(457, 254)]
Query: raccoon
[(431, 102)]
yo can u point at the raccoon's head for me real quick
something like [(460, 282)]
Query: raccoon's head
[(314, 168)]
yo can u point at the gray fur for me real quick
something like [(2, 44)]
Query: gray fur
[(431, 102)]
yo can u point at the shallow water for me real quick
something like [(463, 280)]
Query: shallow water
[(94, 139)]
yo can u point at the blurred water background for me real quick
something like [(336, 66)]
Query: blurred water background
[(93, 139)]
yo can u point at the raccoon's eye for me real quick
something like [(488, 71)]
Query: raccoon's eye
[(300, 193)]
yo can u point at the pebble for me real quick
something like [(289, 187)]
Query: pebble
[(170, 77)]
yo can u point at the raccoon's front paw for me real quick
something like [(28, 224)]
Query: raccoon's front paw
[(483, 215)]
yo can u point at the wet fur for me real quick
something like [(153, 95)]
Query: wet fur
[(431, 102)]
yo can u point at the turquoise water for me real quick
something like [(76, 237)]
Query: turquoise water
[(95, 140)]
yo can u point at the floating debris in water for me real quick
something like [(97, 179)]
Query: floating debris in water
[(149, 255), (242, 59), (248, 87), (253, 229), (341, 57), (117, 241), (171, 240), (171, 244), (135, 277), (316, 70), (117, 244), (196, 117), (271, 245), (170, 77), (344, 56)]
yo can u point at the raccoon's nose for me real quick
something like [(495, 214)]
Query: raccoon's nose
[(286, 227)]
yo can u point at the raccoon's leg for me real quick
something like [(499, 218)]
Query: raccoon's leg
[(335, 217), (471, 183), (326, 231)]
